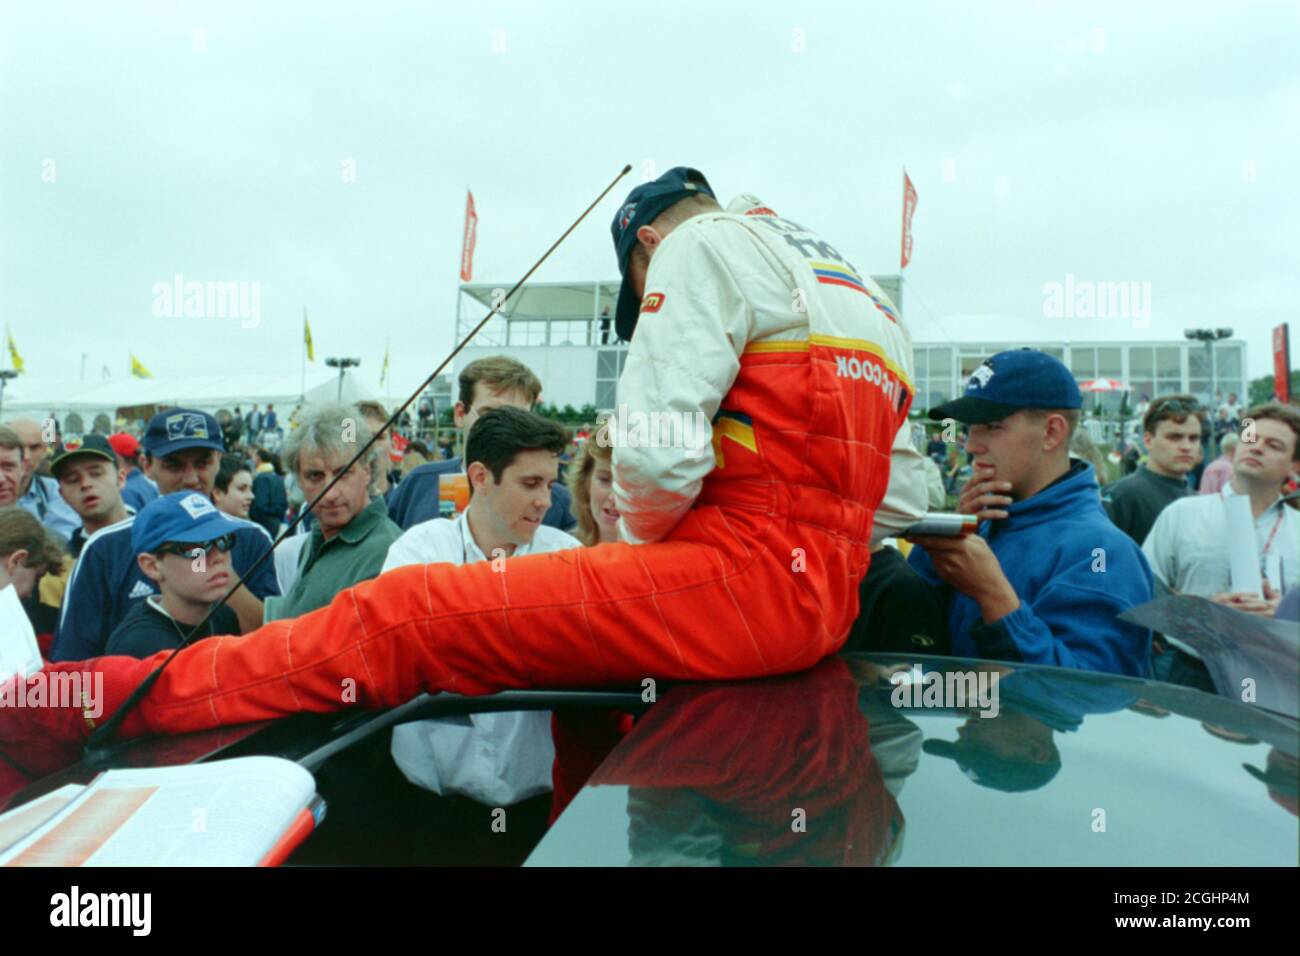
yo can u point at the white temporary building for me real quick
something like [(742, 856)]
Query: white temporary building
[(38, 396)]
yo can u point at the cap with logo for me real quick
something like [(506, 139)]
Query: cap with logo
[(179, 428), (1009, 381), (73, 446), (642, 206), (185, 517)]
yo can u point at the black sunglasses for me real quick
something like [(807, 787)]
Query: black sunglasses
[(223, 544), (1178, 406)]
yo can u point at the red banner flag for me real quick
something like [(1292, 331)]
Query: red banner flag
[(1282, 362), (467, 246), (909, 207)]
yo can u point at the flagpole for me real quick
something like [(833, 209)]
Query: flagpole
[(302, 348)]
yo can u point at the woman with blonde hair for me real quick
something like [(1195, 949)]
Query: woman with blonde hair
[(592, 485)]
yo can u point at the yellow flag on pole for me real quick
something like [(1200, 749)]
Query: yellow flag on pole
[(383, 374), (14, 357), (306, 337), (138, 369)]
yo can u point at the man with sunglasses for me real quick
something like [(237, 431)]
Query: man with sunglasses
[(182, 453), (182, 544)]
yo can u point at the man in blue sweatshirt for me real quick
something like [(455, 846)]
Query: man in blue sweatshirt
[(1045, 576)]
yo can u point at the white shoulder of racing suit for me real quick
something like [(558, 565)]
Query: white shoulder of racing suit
[(683, 360), (907, 496)]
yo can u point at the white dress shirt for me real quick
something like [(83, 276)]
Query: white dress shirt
[(496, 758), (444, 540), (1187, 546)]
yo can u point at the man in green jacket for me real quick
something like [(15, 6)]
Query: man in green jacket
[(352, 531)]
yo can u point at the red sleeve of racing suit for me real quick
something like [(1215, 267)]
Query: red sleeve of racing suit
[(694, 324)]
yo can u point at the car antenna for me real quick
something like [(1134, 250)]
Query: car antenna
[(100, 746)]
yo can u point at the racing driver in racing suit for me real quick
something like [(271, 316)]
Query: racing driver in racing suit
[(744, 546)]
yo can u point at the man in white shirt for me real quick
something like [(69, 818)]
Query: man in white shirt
[(512, 461), (1232, 407), (1188, 546)]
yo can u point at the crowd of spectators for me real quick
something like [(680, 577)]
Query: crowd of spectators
[(128, 543)]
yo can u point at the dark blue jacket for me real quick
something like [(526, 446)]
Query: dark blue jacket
[(1074, 572), (415, 498), (270, 501), (106, 582), (138, 490)]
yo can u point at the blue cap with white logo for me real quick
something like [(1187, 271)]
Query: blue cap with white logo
[(1009, 381), (179, 428), (642, 206), (184, 517)]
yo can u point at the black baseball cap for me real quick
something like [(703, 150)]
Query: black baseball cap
[(1009, 381), (179, 428), (642, 206), (78, 445)]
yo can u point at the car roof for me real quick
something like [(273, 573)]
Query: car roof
[(839, 765)]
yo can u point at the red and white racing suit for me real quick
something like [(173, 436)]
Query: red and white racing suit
[(753, 550)]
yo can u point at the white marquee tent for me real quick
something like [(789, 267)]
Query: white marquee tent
[(208, 392)]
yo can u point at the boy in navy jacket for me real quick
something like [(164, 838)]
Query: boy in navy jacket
[(183, 451)]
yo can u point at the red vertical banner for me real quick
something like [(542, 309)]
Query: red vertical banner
[(909, 207), (1282, 362), (467, 246)]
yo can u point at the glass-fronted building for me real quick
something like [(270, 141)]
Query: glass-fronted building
[(564, 332), (1147, 368)]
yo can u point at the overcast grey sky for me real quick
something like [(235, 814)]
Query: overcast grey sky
[(1149, 142)]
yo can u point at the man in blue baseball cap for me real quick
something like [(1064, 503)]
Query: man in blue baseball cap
[(1047, 573), (183, 545), (182, 452)]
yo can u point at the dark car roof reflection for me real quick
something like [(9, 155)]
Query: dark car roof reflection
[(834, 766)]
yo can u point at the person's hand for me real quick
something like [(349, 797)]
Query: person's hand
[(1265, 606), (982, 494), (970, 566)]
